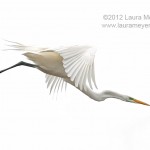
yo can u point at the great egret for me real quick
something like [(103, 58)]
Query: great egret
[(73, 65)]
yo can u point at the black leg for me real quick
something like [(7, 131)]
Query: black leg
[(19, 64)]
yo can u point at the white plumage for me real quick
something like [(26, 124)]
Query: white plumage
[(73, 65), (78, 62), (55, 84)]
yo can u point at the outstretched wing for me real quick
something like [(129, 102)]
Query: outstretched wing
[(78, 62), (56, 84)]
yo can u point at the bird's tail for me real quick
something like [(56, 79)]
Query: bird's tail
[(20, 47), (30, 52)]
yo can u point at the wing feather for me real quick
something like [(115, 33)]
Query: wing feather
[(78, 62), (56, 84), (55, 88), (53, 84), (78, 73), (93, 75), (69, 62), (83, 76), (73, 68)]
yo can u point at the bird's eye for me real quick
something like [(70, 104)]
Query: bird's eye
[(131, 98)]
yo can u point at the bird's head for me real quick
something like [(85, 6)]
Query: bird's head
[(133, 100), (110, 94)]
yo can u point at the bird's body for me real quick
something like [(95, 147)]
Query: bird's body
[(73, 65), (49, 62)]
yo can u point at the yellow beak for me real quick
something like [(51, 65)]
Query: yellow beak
[(140, 102)]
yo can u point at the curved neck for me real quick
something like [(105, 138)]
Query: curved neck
[(99, 96), (103, 95)]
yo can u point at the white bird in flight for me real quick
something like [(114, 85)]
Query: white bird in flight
[(73, 65)]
